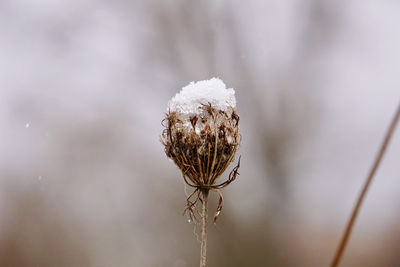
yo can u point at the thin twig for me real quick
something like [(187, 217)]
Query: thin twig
[(350, 224), (204, 217)]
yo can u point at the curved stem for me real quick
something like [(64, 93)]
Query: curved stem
[(204, 217), (350, 224)]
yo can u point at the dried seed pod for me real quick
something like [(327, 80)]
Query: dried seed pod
[(201, 135)]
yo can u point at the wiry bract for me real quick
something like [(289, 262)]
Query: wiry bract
[(202, 143)]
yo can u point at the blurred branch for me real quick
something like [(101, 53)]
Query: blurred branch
[(353, 217)]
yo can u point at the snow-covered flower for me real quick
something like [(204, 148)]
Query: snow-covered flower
[(201, 135)]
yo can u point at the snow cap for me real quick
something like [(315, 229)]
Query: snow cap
[(196, 94)]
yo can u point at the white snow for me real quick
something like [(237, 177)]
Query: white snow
[(196, 94)]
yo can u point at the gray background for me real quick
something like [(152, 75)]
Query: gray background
[(84, 86)]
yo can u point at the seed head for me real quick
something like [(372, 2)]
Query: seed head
[(201, 134), (202, 131)]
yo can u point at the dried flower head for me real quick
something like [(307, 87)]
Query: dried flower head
[(201, 136)]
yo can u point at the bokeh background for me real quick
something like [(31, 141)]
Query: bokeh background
[(84, 86)]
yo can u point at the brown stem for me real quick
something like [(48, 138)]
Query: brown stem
[(350, 224), (204, 217)]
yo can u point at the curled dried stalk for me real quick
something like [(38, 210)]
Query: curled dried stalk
[(349, 227), (203, 146)]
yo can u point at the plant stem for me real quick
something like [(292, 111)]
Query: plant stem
[(204, 217), (350, 224)]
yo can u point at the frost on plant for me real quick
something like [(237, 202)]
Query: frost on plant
[(201, 136)]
